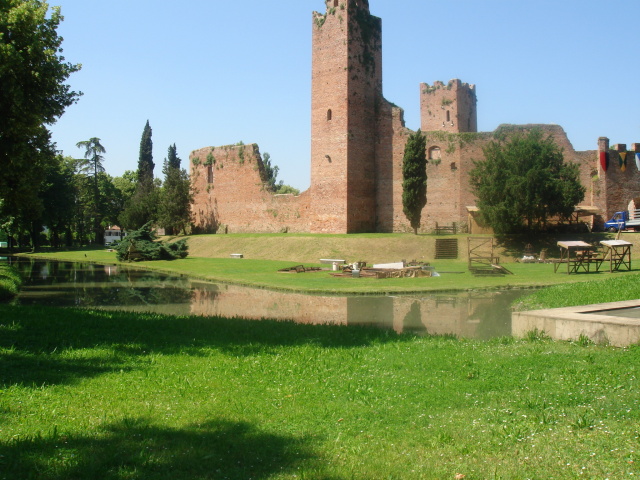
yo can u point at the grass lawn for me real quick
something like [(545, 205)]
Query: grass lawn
[(615, 288), (107, 395), (264, 273)]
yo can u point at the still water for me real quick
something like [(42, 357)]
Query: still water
[(481, 315)]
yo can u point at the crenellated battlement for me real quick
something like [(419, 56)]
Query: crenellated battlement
[(603, 146)]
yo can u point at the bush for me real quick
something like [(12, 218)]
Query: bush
[(140, 245)]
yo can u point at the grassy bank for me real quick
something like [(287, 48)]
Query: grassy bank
[(612, 289), (10, 282), (264, 273), (122, 396), (370, 247)]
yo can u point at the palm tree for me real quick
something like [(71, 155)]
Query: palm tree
[(92, 166)]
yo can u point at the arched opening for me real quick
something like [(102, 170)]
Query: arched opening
[(335, 3), (329, 115), (209, 173), (448, 116)]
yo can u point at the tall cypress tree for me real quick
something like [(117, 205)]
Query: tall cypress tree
[(143, 205), (414, 175), (174, 206), (172, 158), (145, 160)]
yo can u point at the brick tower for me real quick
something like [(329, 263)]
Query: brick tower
[(346, 96), (448, 108)]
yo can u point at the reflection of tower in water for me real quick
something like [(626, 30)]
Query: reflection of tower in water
[(472, 315), (413, 320)]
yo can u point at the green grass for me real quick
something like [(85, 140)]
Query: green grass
[(10, 282), (612, 289), (103, 395), (264, 273)]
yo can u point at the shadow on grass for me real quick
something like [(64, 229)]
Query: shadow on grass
[(37, 343), (135, 449), (19, 368)]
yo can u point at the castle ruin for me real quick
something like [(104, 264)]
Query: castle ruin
[(357, 145)]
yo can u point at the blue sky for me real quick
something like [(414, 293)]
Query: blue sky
[(212, 72)]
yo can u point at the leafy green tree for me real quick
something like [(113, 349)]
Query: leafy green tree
[(59, 196), (126, 185), (112, 202), (141, 208), (33, 94), (523, 181), (270, 172), (174, 209), (283, 189), (92, 166), (414, 178)]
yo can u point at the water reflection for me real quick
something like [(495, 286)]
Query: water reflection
[(470, 314)]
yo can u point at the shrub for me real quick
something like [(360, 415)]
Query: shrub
[(142, 244)]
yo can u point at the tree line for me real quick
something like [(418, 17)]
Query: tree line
[(77, 200), (46, 197)]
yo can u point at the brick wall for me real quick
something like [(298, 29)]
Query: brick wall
[(391, 139), (230, 194), (448, 108)]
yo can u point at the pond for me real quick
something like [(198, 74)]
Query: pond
[(480, 315)]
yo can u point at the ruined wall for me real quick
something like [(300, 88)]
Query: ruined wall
[(230, 194)]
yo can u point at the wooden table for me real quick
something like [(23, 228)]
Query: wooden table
[(578, 255), (618, 253)]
